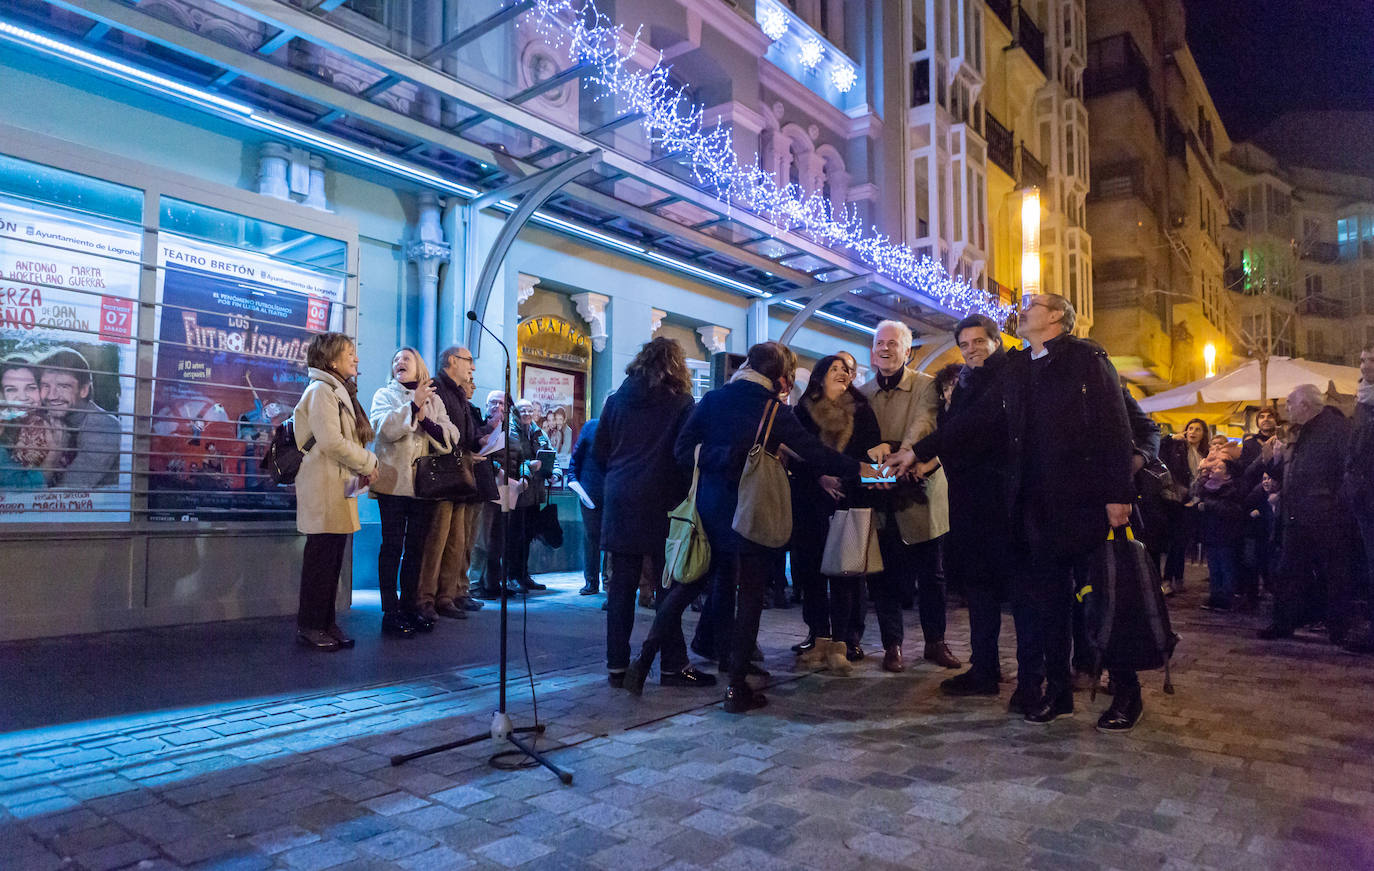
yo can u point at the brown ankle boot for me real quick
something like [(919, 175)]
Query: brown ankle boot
[(892, 659), (939, 653)]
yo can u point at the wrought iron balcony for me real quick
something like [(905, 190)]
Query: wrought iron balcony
[(1001, 144), (1030, 38), (1032, 170), (1002, 9)]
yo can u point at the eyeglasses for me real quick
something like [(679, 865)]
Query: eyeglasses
[(464, 359), (1025, 307)]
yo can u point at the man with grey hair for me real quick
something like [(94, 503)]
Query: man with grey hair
[(1314, 572), (913, 516)]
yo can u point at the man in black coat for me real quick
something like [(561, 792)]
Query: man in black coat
[(1058, 410), (1359, 476), (1313, 578), (976, 549), (448, 547), (587, 474)]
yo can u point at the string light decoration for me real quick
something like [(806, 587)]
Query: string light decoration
[(843, 77), (672, 122), (811, 53), (773, 22)]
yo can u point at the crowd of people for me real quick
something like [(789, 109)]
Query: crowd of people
[(1003, 475)]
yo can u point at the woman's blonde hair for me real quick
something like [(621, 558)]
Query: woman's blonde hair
[(421, 370)]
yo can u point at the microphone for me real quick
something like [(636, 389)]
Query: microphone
[(472, 316)]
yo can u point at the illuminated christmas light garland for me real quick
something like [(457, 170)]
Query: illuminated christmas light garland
[(674, 124)]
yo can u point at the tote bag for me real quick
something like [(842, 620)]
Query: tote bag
[(763, 513), (851, 545), (444, 476), (687, 555)]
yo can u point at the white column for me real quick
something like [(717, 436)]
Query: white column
[(428, 251), (316, 199), (592, 308), (655, 320), (272, 161), (713, 337), (524, 287)]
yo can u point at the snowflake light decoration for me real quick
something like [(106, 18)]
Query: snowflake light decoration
[(811, 53), (843, 77), (674, 123), (773, 22)]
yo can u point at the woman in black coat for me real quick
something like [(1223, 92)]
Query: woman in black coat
[(1182, 456), (634, 445), (725, 424), (842, 418)]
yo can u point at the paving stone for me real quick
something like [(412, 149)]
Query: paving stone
[(324, 854), (514, 850)]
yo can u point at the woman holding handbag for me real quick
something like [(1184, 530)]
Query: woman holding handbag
[(410, 422), (634, 445), (728, 424), (331, 471), (842, 418), (1182, 455)]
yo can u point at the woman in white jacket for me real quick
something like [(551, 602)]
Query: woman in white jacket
[(334, 468), (410, 422)]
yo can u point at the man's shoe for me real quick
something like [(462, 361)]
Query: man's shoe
[(421, 621), (1051, 707), (336, 632), (688, 677), (741, 699), (970, 683), (529, 585), (467, 603), (396, 625), (616, 679), (317, 639), (854, 652), (892, 659), (1123, 713), (633, 678), (429, 612), (451, 611), (589, 590), (1274, 631), (806, 645), (939, 653), (1023, 700)]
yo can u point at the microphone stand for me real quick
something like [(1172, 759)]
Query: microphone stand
[(501, 727)]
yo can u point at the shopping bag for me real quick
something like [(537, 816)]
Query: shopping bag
[(851, 545), (687, 554), (763, 513)]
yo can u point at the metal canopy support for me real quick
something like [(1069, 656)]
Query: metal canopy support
[(554, 81), (825, 294), (538, 188), (480, 29)]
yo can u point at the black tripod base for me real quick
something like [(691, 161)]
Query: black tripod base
[(500, 728)]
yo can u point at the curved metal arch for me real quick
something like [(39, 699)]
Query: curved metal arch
[(829, 293), (933, 354), (540, 187)]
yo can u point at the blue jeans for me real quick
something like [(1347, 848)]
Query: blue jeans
[(1224, 566)]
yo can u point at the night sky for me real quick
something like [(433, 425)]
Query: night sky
[(1264, 57)]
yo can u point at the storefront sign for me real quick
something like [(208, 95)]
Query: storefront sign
[(554, 340)]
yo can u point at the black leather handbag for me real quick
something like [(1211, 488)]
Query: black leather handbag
[(484, 472), (445, 476)]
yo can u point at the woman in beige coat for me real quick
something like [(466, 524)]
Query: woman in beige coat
[(410, 421), (334, 468)]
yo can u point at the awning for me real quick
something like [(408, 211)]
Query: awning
[(1242, 385)]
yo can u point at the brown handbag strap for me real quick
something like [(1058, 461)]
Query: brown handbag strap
[(769, 414)]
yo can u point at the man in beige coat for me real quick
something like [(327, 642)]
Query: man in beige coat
[(912, 515)]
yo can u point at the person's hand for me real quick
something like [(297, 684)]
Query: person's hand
[(1274, 499), (924, 470), (1255, 513), (1118, 514), (878, 453), (901, 462), (832, 486), (364, 480), (535, 465)]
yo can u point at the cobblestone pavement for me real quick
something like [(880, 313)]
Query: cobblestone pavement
[(1263, 759)]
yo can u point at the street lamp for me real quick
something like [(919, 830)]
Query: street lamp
[(1030, 242), (1209, 356)]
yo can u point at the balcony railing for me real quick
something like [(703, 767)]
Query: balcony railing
[(1322, 252), (1005, 295), (1032, 170), (1323, 307), (1030, 38), (1002, 9), (1175, 137), (1001, 144), (1115, 64)]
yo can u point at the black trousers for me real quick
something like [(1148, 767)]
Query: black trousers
[(746, 576), (978, 566), (1042, 606), (1314, 577), (320, 567), (808, 546), (591, 546), (665, 635), (846, 600), (518, 539), (621, 591), (405, 525), (905, 565)]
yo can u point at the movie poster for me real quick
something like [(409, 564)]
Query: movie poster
[(68, 290), (555, 394), (233, 330)]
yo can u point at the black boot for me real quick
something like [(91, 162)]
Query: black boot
[(806, 645), (1123, 713)]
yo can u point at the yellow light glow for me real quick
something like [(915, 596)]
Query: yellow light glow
[(1209, 356), (1030, 242)]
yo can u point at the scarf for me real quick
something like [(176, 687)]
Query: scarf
[(361, 425), (889, 382), (1364, 394), (744, 373), (834, 418)]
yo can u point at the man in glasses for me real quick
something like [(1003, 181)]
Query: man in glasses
[(1059, 415), (448, 548)]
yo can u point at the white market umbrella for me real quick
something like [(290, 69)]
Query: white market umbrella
[(1243, 384)]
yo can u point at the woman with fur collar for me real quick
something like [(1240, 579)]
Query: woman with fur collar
[(411, 422)]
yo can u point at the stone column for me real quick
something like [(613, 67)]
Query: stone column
[(714, 337), (429, 251), (273, 158)]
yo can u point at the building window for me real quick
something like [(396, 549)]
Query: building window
[(1313, 285)]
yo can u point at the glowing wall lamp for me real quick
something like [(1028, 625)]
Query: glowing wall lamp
[(1209, 356), (1030, 242)]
